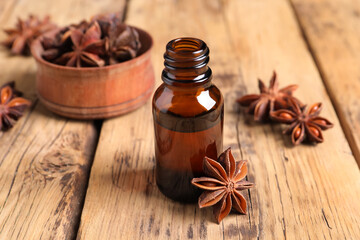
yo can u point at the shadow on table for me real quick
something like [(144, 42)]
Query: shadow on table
[(141, 182)]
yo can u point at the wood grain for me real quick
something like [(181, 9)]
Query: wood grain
[(44, 160), (303, 192), (332, 29)]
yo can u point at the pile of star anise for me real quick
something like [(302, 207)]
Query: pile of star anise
[(104, 40), (279, 105)]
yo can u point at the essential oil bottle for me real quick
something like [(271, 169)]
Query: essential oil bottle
[(188, 111)]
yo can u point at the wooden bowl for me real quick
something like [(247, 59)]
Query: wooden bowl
[(95, 92)]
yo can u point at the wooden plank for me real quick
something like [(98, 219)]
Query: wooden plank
[(305, 184), (6, 9), (332, 29), (44, 160), (301, 192)]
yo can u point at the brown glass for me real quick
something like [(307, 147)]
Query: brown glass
[(188, 113)]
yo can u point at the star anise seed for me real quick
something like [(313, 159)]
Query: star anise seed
[(270, 98), (20, 37), (11, 106), (304, 123), (223, 182)]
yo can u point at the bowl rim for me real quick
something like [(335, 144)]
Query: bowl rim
[(53, 65)]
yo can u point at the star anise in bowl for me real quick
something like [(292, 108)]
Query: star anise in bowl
[(304, 123), (123, 43), (105, 40), (19, 38), (270, 98), (58, 42), (223, 182), (12, 106), (87, 48)]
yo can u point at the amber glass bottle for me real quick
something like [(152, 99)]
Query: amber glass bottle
[(188, 113)]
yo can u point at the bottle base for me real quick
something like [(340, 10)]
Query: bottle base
[(177, 186)]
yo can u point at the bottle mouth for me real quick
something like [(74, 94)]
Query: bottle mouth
[(186, 50), (186, 61), (186, 47)]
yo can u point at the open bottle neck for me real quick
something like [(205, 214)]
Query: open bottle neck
[(186, 62)]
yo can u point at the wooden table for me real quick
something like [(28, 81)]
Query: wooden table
[(66, 179)]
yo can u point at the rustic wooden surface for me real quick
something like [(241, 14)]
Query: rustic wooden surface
[(44, 160), (303, 192), (332, 29)]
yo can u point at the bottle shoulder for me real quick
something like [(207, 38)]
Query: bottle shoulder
[(187, 102)]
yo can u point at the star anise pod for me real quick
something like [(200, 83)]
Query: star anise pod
[(51, 47), (82, 26), (20, 37), (65, 34), (223, 184), (55, 46), (122, 44), (108, 22), (270, 98), (11, 106), (304, 123), (87, 47)]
